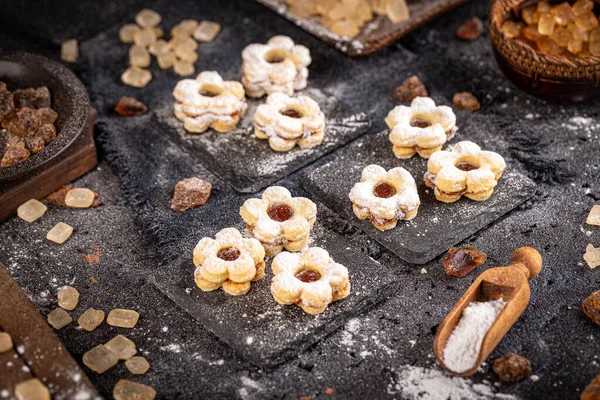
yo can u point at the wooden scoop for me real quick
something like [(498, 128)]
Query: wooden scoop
[(509, 283)]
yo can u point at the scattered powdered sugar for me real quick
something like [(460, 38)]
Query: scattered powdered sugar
[(464, 344), (175, 348), (250, 388), (417, 383)]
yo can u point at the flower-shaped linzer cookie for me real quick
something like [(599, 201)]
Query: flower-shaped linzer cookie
[(421, 128), (466, 170), (278, 66), (229, 261), (312, 280), (385, 197), (209, 102), (287, 121), (279, 220)]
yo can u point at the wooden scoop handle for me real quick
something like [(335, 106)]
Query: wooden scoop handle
[(528, 259)]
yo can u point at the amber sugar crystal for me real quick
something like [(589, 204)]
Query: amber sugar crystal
[(591, 307), (31, 210), (122, 347), (100, 359), (91, 319), (68, 297), (137, 365), (122, 318), (32, 389), (60, 233), (562, 29), (512, 367), (128, 390), (594, 216), (6, 342), (59, 318), (459, 261), (79, 198)]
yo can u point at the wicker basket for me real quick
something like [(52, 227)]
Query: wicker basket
[(550, 77)]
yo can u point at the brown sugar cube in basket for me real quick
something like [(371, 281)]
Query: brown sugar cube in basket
[(582, 6), (530, 15), (512, 29), (546, 24)]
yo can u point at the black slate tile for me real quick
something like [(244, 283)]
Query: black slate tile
[(437, 225), (248, 163), (257, 327)]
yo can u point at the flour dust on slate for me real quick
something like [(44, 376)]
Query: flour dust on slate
[(437, 226)]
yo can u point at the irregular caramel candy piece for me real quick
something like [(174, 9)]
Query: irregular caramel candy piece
[(190, 193), (459, 261), (100, 359), (122, 318), (137, 365), (592, 256), (128, 106), (594, 216), (32, 389), (91, 319), (127, 32), (466, 101), (68, 297), (592, 391), (148, 18), (591, 307), (128, 390), (31, 210), (6, 342), (59, 318), (512, 367), (25, 121), (79, 198), (410, 88), (69, 51), (207, 31), (122, 347), (60, 233), (471, 29), (136, 77)]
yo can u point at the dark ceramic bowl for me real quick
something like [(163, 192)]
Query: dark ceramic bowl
[(69, 99), (559, 78)]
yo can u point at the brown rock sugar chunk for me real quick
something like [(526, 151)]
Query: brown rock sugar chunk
[(7, 104), (591, 307), (32, 97), (409, 89), (14, 154), (24, 121), (592, 391), (470, 30), (460, 261), (190, 193), (129, 106), (34, 143), (512, 367), (466, 101)]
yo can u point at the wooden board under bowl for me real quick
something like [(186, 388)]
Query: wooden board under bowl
[(374, 35)]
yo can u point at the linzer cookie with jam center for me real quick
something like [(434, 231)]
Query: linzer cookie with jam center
[(279, 220), (385, 197), (278, 66), (209, 102), (464, 170), (286, 121), (228, 261), (311, 280), (422, 128)]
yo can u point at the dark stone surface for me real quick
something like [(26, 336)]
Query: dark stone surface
[(265, 332), (556, 145), (247, 162), (443, 225)]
